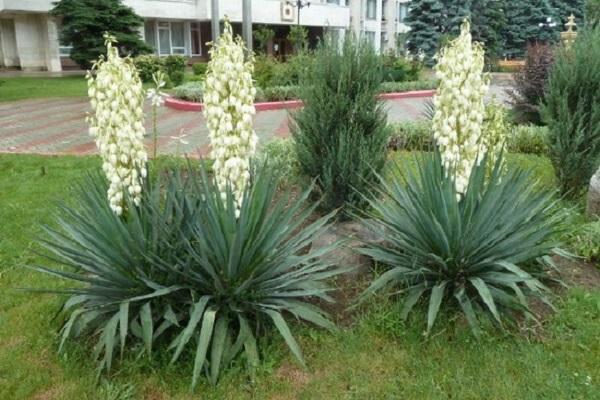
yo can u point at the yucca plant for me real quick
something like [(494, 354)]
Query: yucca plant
[(247, 273), (474, 252), (183, 270), (119, 293)]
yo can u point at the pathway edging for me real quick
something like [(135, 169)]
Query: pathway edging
[(183, 105)]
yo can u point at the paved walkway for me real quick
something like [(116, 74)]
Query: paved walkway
[(58, 126)]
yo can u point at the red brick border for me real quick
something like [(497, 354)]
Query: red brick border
[(183, 105)]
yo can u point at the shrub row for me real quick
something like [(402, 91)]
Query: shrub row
[(417, 136), (189, 91), (200, 68), (173, 66), (268, 71), (283, 93), (393, 87)]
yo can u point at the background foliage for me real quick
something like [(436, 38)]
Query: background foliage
[(84, 23)]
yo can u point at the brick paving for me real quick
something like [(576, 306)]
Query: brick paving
[(57, 126)]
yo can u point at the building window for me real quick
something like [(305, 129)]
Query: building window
[(170, 37), (64, 49), (370, 37), (402, 11), (150, 33), (177, 38), (371, 9), (164, 38), (196, 42)]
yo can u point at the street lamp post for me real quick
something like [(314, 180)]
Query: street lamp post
[(299, 4), (247, 24)]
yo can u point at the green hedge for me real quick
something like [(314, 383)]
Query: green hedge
[(283, 93), (528, 139), (200, 68), (173, 66), (393, 87), (277, 93), (417, 136), (190, 91)]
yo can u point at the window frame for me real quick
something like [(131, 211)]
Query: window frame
[(198, 31), (374, 9), (402, 6)]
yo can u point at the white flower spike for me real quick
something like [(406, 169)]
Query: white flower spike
[(117, 125), (459, 106), (229, 107)]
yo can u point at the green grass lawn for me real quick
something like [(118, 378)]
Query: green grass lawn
[(377, 358), (21, 88), (24, 88)]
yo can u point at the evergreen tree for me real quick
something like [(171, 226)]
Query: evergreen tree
[(85, 21), (564, 8), (424, 19), (454, 13), (526, 22), (488, 19)]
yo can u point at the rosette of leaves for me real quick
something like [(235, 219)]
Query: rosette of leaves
[(182, 272), (249, 271), (483, 253)]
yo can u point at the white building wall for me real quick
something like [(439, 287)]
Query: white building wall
[(362, 25), (33, 41), (50, 38), (10, 56), (319, 13), (393, 25), (29, 41), (171, 9), (36, 42), (42, 6)]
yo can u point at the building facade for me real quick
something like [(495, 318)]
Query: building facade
[(381, 22), (29, 37)]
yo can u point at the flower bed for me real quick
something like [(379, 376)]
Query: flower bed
[(184, 105)]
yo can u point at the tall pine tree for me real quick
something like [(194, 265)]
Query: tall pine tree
[(564, 8), (487, 22), (424, 19), (84, 23), (527, 22), (454, 13)]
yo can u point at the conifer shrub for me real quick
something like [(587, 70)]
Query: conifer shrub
[(340, 136), (571, 110)]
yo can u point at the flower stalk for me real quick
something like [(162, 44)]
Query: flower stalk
[(229, 109), (459, 106), (117, 124)]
